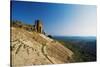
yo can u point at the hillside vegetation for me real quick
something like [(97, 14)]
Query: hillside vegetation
[(83, 51)]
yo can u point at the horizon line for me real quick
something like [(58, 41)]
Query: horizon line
[(77, 35)]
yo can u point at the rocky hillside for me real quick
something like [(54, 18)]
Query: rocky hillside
[(32, 48)]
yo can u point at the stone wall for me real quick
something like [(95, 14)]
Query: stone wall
[(38, 26)]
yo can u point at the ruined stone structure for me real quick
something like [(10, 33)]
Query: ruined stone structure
[(38, 26)]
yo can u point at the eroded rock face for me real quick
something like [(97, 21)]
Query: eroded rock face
[(31, 48)]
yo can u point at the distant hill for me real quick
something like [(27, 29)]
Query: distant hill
[(84, 48)]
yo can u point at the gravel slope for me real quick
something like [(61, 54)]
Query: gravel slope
[(32, 48)]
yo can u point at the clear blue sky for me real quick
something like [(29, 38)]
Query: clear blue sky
[(58, 19)]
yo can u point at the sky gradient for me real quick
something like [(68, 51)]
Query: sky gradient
[(58, 19)]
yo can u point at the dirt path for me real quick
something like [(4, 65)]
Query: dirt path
[(17, 41), (43, 51)]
